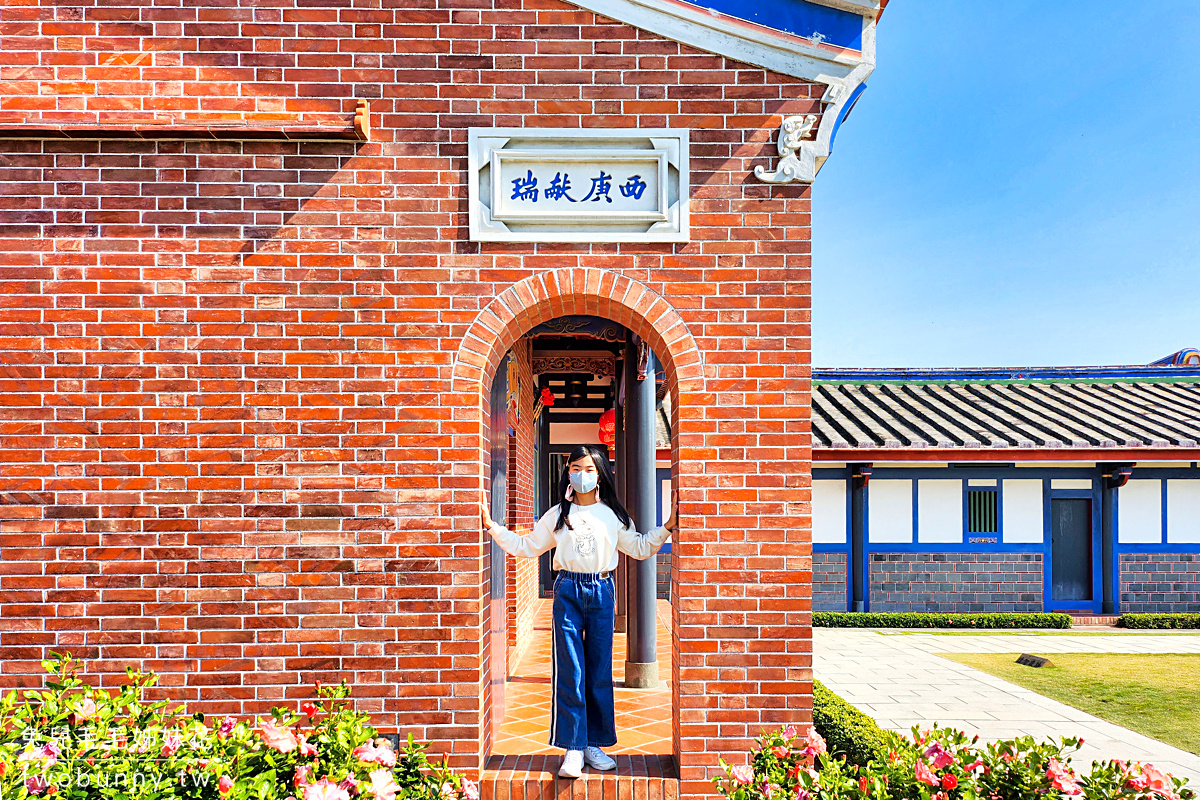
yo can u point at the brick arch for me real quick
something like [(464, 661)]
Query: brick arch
[(598, 292), (577, 290)]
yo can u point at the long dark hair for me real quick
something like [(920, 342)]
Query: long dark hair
[(605, 485)]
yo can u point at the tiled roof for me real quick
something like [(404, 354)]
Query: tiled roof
[(1114, 407)]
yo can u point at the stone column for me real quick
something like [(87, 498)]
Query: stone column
[(641, 662)]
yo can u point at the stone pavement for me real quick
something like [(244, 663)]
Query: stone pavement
[(898, 680)]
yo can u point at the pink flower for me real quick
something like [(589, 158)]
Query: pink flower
[(225, 785), (281, 739), (171, 745), (743, 774), (780, 751), (1158, 781), (48, 754), (976, 764), (938, 756), (36, 784), (814, 740), (1062, 778), (324, 790), (306, 749), (791, 732), (300, 779), (86, 711), (370, 754), (309, 709), (949, 781), (802, 793), (383, 784), (924, 775), (349, 782), (470, 789)]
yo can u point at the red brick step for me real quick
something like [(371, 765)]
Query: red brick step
[(637, 777)]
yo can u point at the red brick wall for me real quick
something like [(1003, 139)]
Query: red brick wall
[(522, 573), (240, 434)]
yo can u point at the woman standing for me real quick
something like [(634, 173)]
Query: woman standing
[(587, 529)]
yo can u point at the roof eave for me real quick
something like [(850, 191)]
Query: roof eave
[(841, 71), (1004, 454)]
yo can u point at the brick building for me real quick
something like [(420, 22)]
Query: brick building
[(1072, 489), (258, 276)]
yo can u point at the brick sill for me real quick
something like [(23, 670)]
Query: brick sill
[(190, 126)]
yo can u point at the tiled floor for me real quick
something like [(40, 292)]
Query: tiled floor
[(643, 715)]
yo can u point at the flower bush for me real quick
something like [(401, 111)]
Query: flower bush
[(938, 764), (75, 742)]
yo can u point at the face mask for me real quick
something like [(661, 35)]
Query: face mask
[(583, 481)]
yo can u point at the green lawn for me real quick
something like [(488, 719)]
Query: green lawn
[(1157, 695), (1035, 632)]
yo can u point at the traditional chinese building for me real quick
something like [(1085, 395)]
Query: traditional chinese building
[(262, 265), (1072, 489)]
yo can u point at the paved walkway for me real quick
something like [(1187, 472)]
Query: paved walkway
[(643, 715), (898, 680)]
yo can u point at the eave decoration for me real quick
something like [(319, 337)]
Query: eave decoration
[(831, 42)]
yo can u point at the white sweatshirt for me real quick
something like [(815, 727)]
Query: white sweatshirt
[(590, 545)]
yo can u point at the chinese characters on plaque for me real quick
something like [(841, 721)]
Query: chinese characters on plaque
[(556, 185), (526, 188)]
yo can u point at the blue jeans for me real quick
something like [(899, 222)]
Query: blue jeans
[(581, 711)]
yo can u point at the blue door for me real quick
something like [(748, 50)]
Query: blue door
[(1071, 553)]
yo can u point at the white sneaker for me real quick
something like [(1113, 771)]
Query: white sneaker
[(598, 759), (572, 764)]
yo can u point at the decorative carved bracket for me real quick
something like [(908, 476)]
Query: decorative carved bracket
[(796, 162), (598, 367)]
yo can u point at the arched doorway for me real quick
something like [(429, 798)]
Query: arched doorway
[(499, 328)]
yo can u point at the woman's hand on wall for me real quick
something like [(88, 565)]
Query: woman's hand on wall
[(485, 516), (671, 522)]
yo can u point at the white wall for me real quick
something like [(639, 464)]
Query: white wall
[(889, 517), (1183, 511), (1139, 512), (939, 511), (1023, 522), (573, 432), (829, 511)]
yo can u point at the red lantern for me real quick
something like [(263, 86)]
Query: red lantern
[(608, 427)]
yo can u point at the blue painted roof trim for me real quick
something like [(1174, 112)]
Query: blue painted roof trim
[(860, 374), (846, 109), (821, 24)]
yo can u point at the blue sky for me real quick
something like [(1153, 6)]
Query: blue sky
[(1019, 185)]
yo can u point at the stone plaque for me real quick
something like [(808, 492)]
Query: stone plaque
[(569, 185)]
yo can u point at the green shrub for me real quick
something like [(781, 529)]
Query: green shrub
[(848, 731), (938, 764), (1148, 621), (83, 743), (870, 619)]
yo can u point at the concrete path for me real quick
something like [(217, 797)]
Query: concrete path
[(898, 680), (1131, 643)]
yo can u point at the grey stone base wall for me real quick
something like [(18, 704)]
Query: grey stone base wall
[(1160, 583), (956, 582), (829, 582)]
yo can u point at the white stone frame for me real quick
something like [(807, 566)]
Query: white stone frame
[(841, 70), (665, 148)]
